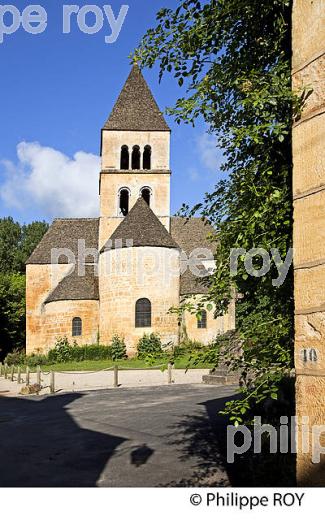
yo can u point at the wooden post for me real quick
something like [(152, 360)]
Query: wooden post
[(52, 382), (6, 371), (19, 376), (116, 376), (12, 372), (27, 376), (170, 373), (38, 375)]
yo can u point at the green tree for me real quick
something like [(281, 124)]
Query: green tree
[(10, 236), (31, 235), (12, 312), (232, 57), (17, 243)]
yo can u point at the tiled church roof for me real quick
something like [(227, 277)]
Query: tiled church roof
[(76, 287), (192, 234), (192, 284), (143, 228), (136, 108), (65, 233)]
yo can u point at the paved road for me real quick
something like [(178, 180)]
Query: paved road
[(158, 436)]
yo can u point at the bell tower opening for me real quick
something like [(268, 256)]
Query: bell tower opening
[(136, 158), (124, 201), (125, 158), (147, 158), (146, 195)]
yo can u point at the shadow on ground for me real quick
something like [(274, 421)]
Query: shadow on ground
[(151, 437), (50, 449), (205, 436)]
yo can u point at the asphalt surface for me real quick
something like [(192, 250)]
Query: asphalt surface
[(143, 437)]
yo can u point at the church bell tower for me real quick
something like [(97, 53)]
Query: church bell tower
[(135, 152)]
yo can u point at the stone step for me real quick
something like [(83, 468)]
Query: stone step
[(221, 380)]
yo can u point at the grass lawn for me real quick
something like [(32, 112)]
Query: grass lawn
[(79, 366)]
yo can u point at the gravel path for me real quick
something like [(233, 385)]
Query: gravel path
[(81, 381)]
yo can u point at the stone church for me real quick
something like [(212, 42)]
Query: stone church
[(121, 273)]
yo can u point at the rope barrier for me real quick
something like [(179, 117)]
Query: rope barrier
[(115, 368), (85, 372)]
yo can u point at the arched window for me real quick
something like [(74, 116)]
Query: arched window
[(202, 320), (147, 158), (124, 198), (136, 158), (125, 158), (143, 313), (77, 327), (146, 195)]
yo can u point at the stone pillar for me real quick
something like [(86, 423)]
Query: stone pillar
[(309, 233)]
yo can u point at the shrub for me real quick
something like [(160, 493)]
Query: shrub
[(64, 352), (118, 348), (150, 346), (35, 359), (61, 352), (17, 357), (96, 352), (190, 345)]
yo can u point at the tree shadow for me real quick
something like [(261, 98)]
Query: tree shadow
[(204, 437), (42, 446)]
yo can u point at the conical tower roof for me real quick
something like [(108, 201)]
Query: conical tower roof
[(140, 228), (136, 108)]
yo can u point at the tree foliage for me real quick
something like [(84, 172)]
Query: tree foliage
[(12, 312), (17, 242), (232, 58)]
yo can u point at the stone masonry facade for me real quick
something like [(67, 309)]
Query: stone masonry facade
[(100, 271), (309, 230)]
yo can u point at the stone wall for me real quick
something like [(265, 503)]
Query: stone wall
[(309, 228), (46, 322), (114, 140), (110, 185), (129, 274), (112, 179), (215, 326), (40, 281), (58, 318)]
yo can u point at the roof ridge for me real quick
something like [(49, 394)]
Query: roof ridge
[(75, 218)]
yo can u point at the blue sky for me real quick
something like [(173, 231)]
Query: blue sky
[(57, 90)]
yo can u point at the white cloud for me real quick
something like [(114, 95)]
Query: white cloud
[(51, 183), (210, 155)]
